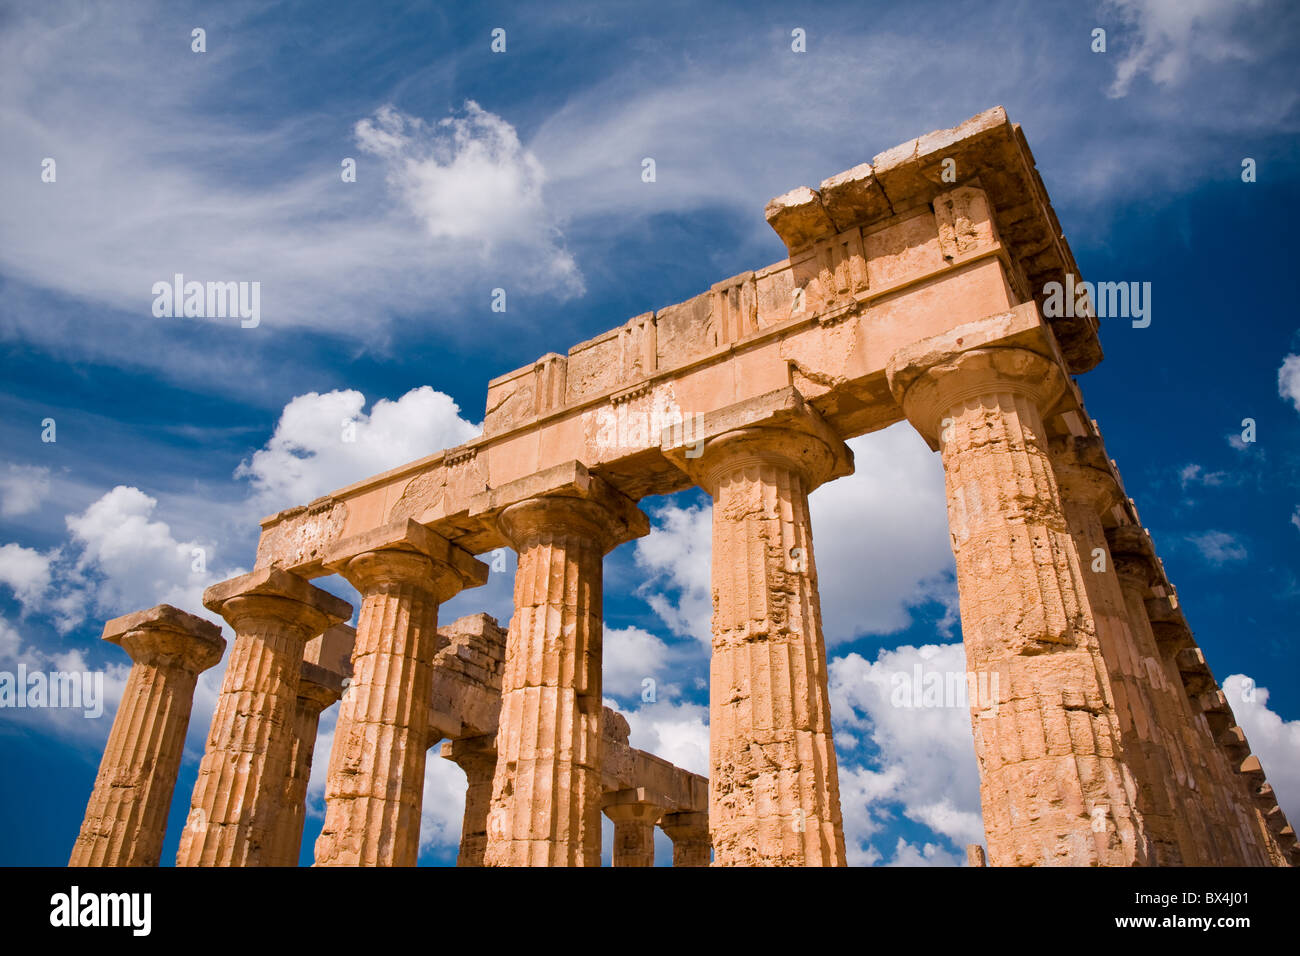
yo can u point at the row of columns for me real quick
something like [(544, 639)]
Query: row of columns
[(1082, 758), (1093, 753)]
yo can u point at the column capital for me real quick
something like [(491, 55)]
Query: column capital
[(405, 551), (813, 456), (930, 377), (165, 636), (273, 593), (778, 428), (686, 825), (565, 498), (636, 805), (319, 686), (467, 752), (1082, 472)]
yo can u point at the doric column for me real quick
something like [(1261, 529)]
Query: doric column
[(1088, 490), (318, 688), (634, 814), (773, 786), (240, 788), (375, 786), (126, 815), (1052, 788), (1195, 765), (477, 756), (690, 835), (546, 791)]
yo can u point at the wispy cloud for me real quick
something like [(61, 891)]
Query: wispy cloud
[(1218, 547)]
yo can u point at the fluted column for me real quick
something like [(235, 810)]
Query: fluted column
[(1052, 789), (240, 787), (1088, 490), (1195, 764), (634, 814), (375, 786), (126, 815), (690, 835), (318, 688), (773, 784), (477, 756), (546, 792)]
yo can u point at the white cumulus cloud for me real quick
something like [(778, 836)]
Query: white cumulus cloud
[(22, 489), (1273, 739), (925, 767), (325, 441)]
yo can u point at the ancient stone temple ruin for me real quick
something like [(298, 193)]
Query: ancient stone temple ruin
[(914, 289)]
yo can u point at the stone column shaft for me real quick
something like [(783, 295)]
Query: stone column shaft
[(690, 835), (1204, 801), (126, 816), (1134, 677), (1052, 789), (477, 756), (375, 787), (546, 794), (774, 784), (240, 787), (317, 690)]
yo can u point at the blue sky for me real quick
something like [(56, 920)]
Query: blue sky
[(522, 171)]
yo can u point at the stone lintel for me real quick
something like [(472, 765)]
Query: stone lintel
[(409, 535), (443, 726), (624, 769), (686, 821), (635, 797), (273, 582)]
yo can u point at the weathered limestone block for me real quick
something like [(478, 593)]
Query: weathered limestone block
[(799, 218), (239, 792), (1052, 787), (375, 785), (520, 396), (546, 791), (854, 197), (690, 835), (467, 674), (634, 813), (964, 221), (126, 815), (774, 790)]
